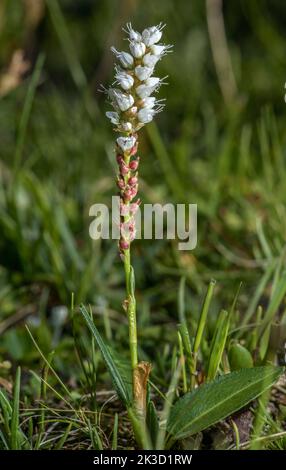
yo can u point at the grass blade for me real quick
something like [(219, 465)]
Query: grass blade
[(15, 411), (119, 384)]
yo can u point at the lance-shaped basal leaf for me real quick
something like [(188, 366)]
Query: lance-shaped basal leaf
[(122, 388), (214, 401)]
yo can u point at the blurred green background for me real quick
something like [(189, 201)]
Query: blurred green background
[(219, 143)]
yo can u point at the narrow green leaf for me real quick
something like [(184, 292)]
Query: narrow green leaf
[(276, 299), (15, 411), (255, 298), (64, 437), (27, 109), (218, 344), (119, 384), (214, 401), (181, 301), (152, 422), (203, 316)]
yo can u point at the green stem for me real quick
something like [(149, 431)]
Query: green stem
[(131, 313)]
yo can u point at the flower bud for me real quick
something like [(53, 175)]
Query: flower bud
[(134, 164), (123, 244), (132, 111), (120, 183), (133, 180), (128, 194), (132, 235), (137, 49), (134, 149), (124, 209), (124, 169), (133, 191), (133, 208), (126, 126)]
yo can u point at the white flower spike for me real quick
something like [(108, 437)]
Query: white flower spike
[(133, 107)]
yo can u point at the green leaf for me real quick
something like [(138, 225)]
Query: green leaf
[(121, 388), (218, 344), (15, 411), (152, 422), (276, 299), (214, 401)]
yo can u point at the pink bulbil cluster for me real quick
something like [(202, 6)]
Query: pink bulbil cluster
[(127, 182)]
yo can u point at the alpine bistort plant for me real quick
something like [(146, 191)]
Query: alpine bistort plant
[(133, 107)]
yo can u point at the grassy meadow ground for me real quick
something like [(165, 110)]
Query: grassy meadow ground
[(220, 143)]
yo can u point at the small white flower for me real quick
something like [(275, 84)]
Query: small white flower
[(133, 35), (125, 80), (144, 91), (126, 126), (123, 101), (160, 49), (145, 115), (152, 81), (137, 49), (125, 58), (126, 143), (149, 102), (143, 72), (150, 60), (114, 117), (152, 35)]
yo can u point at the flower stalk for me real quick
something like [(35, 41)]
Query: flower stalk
[(133, 107)]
